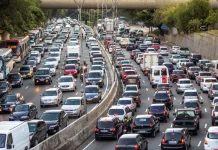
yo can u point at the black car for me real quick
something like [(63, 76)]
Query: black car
[(32, 63), (15, 79), (55, 120), (133, 79), (43, 76), (26, 71), (95, 78), (146, 124), (24, 112), (160, 111), (195, 58), (176, 138), (92, 93), (134, 95), (5, 88), (163, 97), (160, 60), (164, 87), (108, 127), (10, 101), (38, 131), (130, 46), (192, 72), (156, 40), (132, 142), (143, 47)]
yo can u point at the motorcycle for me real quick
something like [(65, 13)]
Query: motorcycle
[(126, 128), (81, 77)]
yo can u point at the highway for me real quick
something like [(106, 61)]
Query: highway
[(32, 92), (146, 97)]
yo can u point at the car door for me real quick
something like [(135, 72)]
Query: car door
[(154, 122), (31, 112), (164, 75), (140, 142)]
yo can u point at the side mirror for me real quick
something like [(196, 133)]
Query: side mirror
[(9, 146), (174, 114), (201, 102)]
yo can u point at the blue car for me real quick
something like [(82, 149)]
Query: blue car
[(24, 112), (169, 66), (160, 60), (92, 94), (138, 43), (143, 47), (130, 47)]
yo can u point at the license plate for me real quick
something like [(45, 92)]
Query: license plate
[(41, 79), (142, 131), (23, 75), (172, 142), (5, 108), (187, 86), (93, 83), (104, 131)]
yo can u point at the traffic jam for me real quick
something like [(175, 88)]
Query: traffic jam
[(167, 92), (53, 70)]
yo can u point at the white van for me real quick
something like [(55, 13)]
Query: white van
[(14, 135), (159, 74)]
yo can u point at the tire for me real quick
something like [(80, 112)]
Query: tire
[(41, 106), (56, 105)]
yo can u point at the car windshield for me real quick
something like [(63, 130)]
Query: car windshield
[(185, 113), (130, 72), (142, 121), (49, 93), (49, 116), (48, 66), (161, 96), (215, 87), (124, 102), (32, 127), (24, 69), (157, 108), (14, 76), (131, 88), (2, 140), (73, 54), (105, 124), (72, 61), (189, 64), (163, 86), (184, 82), (169, 65), (94, 75), (91, 90), (3, 85), (72, 102), (35, 55), (116, 112), (51, 59), (197, 56), (97, 63), (66, 79), (30, 62), (19, 108), (70, 67), (96, 68), (42, 72), (176, 57), (191, 104), (129, 94), (38, 49), (195, 69), (127, 141), (212, 135), (173, 135), (54, 55), (204, 62), (10, 98), (205, 74)]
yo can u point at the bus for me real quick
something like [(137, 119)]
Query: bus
[(20, 47), (6, 62), (34, 37), (41, 34)]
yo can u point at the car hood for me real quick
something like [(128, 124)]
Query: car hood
[(13, 80), (48, 97), (51, 123), (65, 83), (70, 107), (7, 104), (20, 114), (91, 95), (24, 72)]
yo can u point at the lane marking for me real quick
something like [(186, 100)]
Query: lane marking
[(175, 109), (159, 144), (146, 89), (60, 72), (139, 75), (171, 125), (174, 98), (143, 81), (205, 109), (148, 98), (81, 84), (199, 143), (89, 144), (205, 125), (76, 93), (201, 97), (54, 85), (27, 87)]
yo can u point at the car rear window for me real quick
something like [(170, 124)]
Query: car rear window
[(161, 96), (105, 124), (191, 104), (184, 82), (197, 56), (127, 141), (173, 135), (178, 72), (116, 112), (124, 102), (215, 87), (210, 80), (216, 109), (130, 94), (195, 69), (190, 94), (142, 121), (156, 108), (130, 72), (212, 135)]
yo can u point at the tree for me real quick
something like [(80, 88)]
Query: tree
[(212, 18)]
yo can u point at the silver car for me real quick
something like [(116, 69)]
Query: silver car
[(51, 67), (174, 58), (51, 96), (201, 75), (67, 83), (183, 84), (213, 91)]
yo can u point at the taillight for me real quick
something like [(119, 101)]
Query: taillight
[(113, 130), (163, 140), (183, 141), (96, 129), (205, 85), (133, 125), (137, 98), (149, 112), (191, 85), (205, 142), (178, 86), (164, 112), (136, 147), (116, 147), (212, 92), (198, 108), (213, 113), (151, 125), (152, 79)]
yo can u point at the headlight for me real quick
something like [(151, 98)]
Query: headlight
[(47, 78), (100, 81), (96, 97), (4, 91), (87, 81), (75, 110), (53, 126)]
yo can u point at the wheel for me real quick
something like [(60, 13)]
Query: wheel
[(36, 142), (153, 134), (57, 105)]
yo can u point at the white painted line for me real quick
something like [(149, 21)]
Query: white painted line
[(81, 84), (54, 85), (148, 98), (174, 98), (159, 144), (143, 81), (88, 144), (60, 72), (27, 87), (76, 93), (199, 143), (205, 109), (201, 97), (146, 89), (205, 125), (171, 125), (139, 75), (175, 109), (106, 84)]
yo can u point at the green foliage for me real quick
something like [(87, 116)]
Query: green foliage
[(156, 32)]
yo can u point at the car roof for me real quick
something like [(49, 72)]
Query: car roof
[(173, 130), (212, 129), (143, 116), (191, 90), (123, 98), (51, 89), (91, 86), (52, 111), (93, 71), (126, 136), (158, 105), (106, 119), (117, 107)]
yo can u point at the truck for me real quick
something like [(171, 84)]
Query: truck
[(148, 60), (186, 118), (109, 26), (14, 135), (73, 51)]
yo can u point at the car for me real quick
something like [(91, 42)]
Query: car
[(67, 83), (208, 67), (32, 63), (184, 51), (214, 101), (191, 94), (26, 71), (98, 68), (15, 79), (195, 58), (205, 84), (163, 51), (120, 112), (163, 97), (52, 60), (150, 50), (23, 112), (132, 54), (70, 69), (202, 62), (74, 106), (37, 55), (43, 76), (176, 75), (169, 66), (132, 79), (99, 62), (156, 40), (182, 62), (55, 55), (174, 58), (160, 60), (193, 103), (186, 66), (201, 75), (176, 138), (55, 120), (131, 87), (137, 142), (213, 91), (174, 49), (126, 73), (10, 101), (117, 61), (139, 58), (183, 84), (136, 55), (128, 102), (164, 87), (48, 40), (146, 124), (73, 62), (156, 46), (124, 62), (211, 138), (160, 111), (192, 72), (51, 67), (51, 96), (135, 95), (41, 50), (108, 127), (5, 88), (55, 49), (92, 94), (38, 131), (95, 78), (142, 47), (130, 47)]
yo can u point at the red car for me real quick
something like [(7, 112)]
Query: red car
[(128, 72), (156, 46), (70, 69), (176, 75)]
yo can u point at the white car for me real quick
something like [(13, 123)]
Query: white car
[(55, 49), (183, 84), (73, 40), (59, 42), (163, 51), (55, 55), (74, 106), (37, 55), (98, 68), (51, 67), (206, 82), (174, 58), (181, 62), (124, 42), (51, 96), (131, 87), (48, 40), (210, 141), (150, 50), (138, 59), (148, 42), (52, 61), (128, 102), (174, 49), (67, 83)]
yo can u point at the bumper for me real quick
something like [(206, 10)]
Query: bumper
[(52, 130), (163, 117), (210, 147), (42, 81), (25, 76), (66, 88), (49, 103), (97, 83), (92, 100), (17, 119), (181, 90), (205, 89), (16, 83), (142, 131), (103, 135), (172, 146), (72, 113)]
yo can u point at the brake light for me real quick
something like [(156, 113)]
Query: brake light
[(116, 147), (113, 130), (213, 113), (190, 72), (163, 140), (149, 112), (164, 112), (191, 85), (133, 125), (178, 86), (136, 147), (212, 92), (151, 125), (198, 108), (183, 141), (137, 98), (96, 129), (205, 142), (152, 79), (204, 85)]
